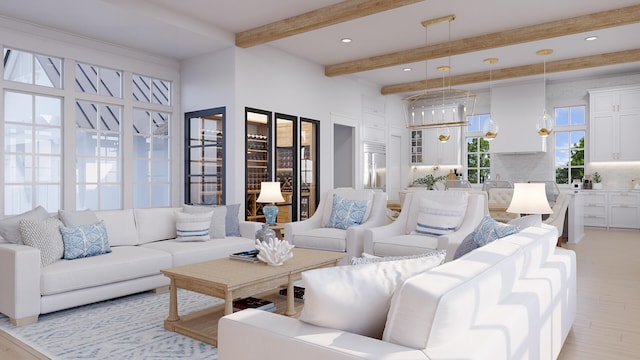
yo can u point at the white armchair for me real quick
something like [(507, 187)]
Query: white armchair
[(313, 233), (399, 238)]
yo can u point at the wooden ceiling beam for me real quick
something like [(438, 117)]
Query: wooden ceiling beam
[(584, 62), (316, 19), (553, 29)]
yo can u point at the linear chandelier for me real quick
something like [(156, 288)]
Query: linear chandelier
[(442, 108)]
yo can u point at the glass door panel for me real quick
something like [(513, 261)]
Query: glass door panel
[(286, 166), (309, 163), (204, 155), (257, 159)]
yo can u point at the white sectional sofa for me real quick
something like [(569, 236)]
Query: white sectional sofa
[(142, 242), (514, 298)]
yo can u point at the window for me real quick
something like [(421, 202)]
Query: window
[(569, 143), (29, 68), (478, 157), (98, 161), (92, 79), (151, 172), (32, 152), (153, 91)]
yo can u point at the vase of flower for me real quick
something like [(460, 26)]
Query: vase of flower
[(428, 181)]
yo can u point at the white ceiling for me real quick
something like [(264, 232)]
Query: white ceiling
[(181, 29)]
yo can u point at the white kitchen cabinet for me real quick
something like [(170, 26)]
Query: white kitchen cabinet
[(596, 212), (614, 124), (624, 210), (427, 150)]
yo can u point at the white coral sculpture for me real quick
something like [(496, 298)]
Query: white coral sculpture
[(274, 251)]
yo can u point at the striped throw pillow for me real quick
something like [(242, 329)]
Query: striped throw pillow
[(438, 218), (193, 227)]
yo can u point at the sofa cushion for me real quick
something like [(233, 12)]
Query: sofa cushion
[(346, 213), (467, 245), (526, 221), (440, 215), (490, 230), (357, 298), (349, 194), (123, 263), (193, 227), (155, 224), (121, 226), (232, 221), (45, 236), (217, 223), (330, 239), (85, 240), (189, 252), (9, 226), (77, 218)]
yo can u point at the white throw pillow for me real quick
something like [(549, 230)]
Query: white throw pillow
[(193, 227), (441, 216), (217, 227), (357, 298), (43, 235)]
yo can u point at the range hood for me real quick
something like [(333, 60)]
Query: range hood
[(516, 108)]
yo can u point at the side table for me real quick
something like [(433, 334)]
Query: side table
[(278, 229)]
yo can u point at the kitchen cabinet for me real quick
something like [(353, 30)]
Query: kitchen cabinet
[(624, 210), (427, 150), (614, 124), (612, 208)]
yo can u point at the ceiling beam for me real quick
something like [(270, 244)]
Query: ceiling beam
[(553, 29), (316, 19), (584, 62)]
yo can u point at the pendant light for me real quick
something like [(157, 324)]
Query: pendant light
[(444, 133), (544, 124), (490, 127)]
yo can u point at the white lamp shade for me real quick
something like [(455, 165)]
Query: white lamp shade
[(270, 192), (529, 198)]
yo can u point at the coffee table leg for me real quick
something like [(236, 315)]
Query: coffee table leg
[(228, 303), (291, 308), (173, 302)]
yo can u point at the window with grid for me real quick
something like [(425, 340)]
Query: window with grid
[(152, 161), (478, 157), (32, 152), (570, 130), (150, 90)]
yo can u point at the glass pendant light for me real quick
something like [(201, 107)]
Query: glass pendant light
[(490, 127), (544, 124), (444, 133)]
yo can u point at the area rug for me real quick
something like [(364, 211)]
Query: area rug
[(130, 327)]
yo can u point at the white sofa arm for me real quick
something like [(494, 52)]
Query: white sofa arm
[(275, 337), (20, 283), (371, 235), (248, 229), (297, 227)]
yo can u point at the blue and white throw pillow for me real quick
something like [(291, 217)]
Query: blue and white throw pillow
[(85, 241), (490, 230), (441, 215), (193, 227), (346, 213)]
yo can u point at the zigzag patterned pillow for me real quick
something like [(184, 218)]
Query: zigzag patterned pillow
[(85, 241), (45, 236)]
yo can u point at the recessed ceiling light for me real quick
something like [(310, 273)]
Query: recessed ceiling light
[(407, 69), (591, 38), (346, 40)]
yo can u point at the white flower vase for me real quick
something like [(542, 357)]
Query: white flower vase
[(274, 251), (596, 186)]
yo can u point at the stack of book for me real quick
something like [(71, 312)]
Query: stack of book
[(249, 256), (298, 293), (253, 303)]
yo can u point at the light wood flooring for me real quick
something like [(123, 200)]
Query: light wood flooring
[(607, 324)]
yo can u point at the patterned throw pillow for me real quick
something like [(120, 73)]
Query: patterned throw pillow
[(85, 241), (45, 236), (467, 245), (439, 217), (217, 219), (490, 230), (193, 227), (346, 213), (369, 259)]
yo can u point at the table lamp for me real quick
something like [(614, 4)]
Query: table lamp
[(270, 193), (529, 199)]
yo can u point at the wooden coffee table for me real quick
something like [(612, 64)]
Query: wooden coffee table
[(234, 279)]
